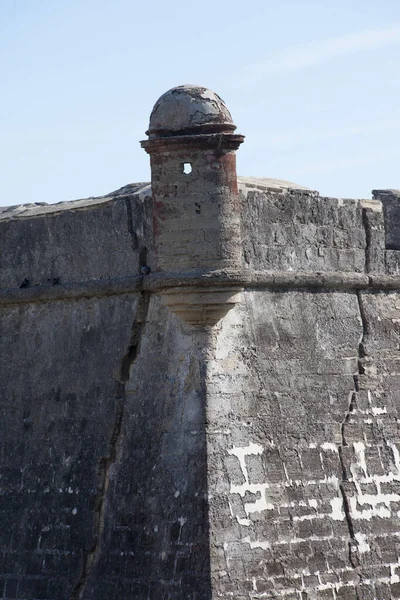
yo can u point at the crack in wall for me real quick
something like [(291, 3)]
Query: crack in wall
[(368, 240), (107, 462), (353, 553), (345, 479), (131, 228)]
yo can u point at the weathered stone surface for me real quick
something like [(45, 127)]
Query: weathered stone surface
[(155, 537), (391, 207), (196, 209), (279, 415), (259, 456), (299, 230), (61, 402), (280, 435), (77, 241), (187, 109), (247, 450)]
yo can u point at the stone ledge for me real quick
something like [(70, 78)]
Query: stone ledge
[(200, 281), (71, 291), (140, 190)]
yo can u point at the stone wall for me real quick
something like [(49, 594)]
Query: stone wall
[(305, 431), (145, 458)]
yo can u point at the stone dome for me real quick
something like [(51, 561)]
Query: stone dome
[(189, 109)]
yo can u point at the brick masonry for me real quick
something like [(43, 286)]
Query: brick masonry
[(305, 431)]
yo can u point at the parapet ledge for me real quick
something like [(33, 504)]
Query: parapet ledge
[(41, 209), (263, 184), (386, 192), (228, 284), (391, 211), (273, 270), (374, 205), (141, 190)]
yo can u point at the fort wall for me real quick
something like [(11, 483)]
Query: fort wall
[(198, 433)]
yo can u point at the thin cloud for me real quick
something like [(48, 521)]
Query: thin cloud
[(324, 166), (295, 58), (305, 136)]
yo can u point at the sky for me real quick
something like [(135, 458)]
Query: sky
[(313, 85)]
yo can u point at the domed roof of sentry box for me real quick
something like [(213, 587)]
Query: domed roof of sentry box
[(189, 109)]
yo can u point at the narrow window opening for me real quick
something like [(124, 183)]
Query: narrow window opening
[(187, 168)]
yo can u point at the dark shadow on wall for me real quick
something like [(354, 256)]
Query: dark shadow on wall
[(103, 470), (58, 411), (154, 541)]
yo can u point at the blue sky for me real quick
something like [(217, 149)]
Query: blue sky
[(313, 85)]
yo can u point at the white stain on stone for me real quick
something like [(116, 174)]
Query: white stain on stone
[(257, 489), (242, 451), (331, 480), (379, 503), (328, 446), (144, 192), (256, 543), (366, 506), (394, 578), (337, 513), (377, 410), (245, 522), (220, 431), (260, 503), (363, 545), (362, 506), (359, 450)]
